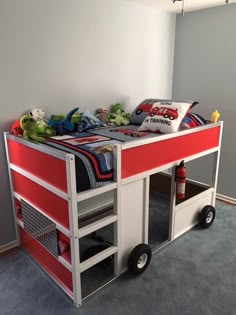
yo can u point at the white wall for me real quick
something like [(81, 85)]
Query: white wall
[(58, 54), (205, 70)]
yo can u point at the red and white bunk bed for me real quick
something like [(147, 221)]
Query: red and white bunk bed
[(43, 183)]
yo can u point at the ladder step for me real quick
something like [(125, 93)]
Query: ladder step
[(97, 258), (96, 191), (97, 225)]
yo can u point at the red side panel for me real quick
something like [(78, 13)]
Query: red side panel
[(42, 198), (49, 263), (146, 157), (42, 165)]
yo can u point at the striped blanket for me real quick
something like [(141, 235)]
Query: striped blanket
[(93, 158)]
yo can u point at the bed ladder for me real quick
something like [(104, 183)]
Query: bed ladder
[(77, 233)]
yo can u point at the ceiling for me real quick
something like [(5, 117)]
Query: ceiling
[(189, 5)]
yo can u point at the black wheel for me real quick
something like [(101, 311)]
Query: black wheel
[(171, 117), (207, 216), (139, 111), (139, 259), (165, 116), (95, 249)]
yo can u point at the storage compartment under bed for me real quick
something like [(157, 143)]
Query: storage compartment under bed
[(160, 214)]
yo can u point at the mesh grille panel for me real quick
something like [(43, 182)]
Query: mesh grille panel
[(40, 228)]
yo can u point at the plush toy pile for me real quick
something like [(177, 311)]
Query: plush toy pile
[(35, 127)]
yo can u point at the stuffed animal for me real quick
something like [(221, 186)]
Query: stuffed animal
[(116, 108), (118, 115), (119, 119), (64, 125), (102, 114), (38, 115), (76, 118), (42, 127), (28, 124), (16, 128), (89, 121)]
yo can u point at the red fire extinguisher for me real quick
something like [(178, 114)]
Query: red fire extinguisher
[(180, 177)]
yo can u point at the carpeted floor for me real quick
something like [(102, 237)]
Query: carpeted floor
[(194, 275), (159, 207)]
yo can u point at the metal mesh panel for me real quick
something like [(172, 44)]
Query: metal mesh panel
[(40, 228)]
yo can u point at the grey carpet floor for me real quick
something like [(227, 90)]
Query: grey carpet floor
[(196, 274), (158, 219)]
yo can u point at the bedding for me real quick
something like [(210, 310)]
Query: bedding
[(123, 133), (193, 120), (93, 158)]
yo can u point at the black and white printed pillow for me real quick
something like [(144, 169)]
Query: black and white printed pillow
[(165, 117)]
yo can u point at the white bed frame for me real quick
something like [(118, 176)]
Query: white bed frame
[(130, 190)]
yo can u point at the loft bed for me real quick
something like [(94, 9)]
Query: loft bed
[(52, 217)]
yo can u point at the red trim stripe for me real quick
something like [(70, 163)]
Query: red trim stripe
[(148, 156)]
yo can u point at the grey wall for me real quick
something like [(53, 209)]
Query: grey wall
[(205, 70), (59, 54)]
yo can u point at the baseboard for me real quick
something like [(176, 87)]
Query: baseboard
[(8, 246), (226, 199)]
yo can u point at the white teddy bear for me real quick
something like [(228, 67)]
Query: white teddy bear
[(38, 115)]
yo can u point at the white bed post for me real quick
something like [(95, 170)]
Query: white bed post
[(12, 189), (216, 166), (74, 229), (117, 206), (172, 204), (146, 203)]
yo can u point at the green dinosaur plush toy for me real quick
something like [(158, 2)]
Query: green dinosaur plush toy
[(118, 119), (42, 128), (29, 125), (115, 108), (118, 116)]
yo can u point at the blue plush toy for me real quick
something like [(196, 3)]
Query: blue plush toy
[(63, 125)]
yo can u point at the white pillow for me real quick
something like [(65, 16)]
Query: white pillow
[(165, 117)]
